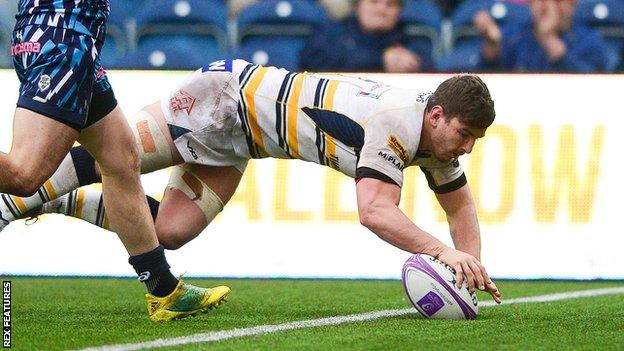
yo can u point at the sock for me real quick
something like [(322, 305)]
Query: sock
[(87, 204), (77, 169), (153, 270)]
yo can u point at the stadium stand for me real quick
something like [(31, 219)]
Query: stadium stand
[(465, 39), (607, 17), (178, 34), (274, 31), (422, 19)]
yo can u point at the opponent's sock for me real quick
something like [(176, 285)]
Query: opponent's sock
[(77, 169), (87, 204), (153, 270)]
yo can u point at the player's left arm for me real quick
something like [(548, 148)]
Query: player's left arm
[(461, 214)]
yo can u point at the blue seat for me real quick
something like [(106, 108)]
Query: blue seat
[(607, 17), (172, 52), (466, 57), (192, 22), (274, 31), (422, 21), (502, 12), (466, 42)]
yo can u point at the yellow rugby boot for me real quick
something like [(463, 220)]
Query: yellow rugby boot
[(186, 300)]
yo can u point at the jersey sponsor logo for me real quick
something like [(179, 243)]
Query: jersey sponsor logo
[(374, 91), (44, 82), (28, 46), (423, 97), (182, 100), (100, 73), (396, 162), (218, 66), (397, 147)]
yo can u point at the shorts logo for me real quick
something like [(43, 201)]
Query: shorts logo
[(182, 100), (44, 82), (28, 46)]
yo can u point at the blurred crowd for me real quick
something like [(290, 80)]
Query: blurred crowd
[(399, 36)]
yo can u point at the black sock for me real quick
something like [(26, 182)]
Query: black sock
[(84, 165), (153, 270), (153, 206)]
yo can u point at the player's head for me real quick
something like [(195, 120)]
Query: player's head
[(457, 114), (378, 16)]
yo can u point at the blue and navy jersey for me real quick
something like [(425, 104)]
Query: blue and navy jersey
[(84, 16)]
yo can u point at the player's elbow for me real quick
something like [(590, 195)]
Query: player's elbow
[(369, 216)]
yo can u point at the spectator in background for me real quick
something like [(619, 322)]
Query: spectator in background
[(372, 41), (552, 42)]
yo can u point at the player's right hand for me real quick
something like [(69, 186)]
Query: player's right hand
[(470, 267)]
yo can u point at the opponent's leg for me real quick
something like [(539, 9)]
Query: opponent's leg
[(112, 144), (39, 145), (156, 150)]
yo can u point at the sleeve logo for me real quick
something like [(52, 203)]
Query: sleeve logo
[(397, 147)]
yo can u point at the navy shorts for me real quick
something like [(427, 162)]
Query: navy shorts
[(61, 75)]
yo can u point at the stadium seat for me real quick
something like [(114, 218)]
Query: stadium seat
[(185, 30), (502, 12), (274, 31), (422, 20), (466, 40), (607, 17), (172, 52)]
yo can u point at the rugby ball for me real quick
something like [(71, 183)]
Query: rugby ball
[(430, 286)]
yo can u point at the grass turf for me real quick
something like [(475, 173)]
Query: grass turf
[(58, 314)]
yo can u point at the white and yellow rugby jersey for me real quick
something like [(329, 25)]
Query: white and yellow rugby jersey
[(358, 127)]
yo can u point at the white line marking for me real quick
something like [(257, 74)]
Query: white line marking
[(311, 323)]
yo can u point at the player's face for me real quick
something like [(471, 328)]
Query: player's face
[(378, 15), (452, 138)]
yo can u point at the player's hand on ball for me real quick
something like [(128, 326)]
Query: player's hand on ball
[(468, 266)]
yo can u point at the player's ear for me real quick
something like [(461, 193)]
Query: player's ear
[(435, 115)]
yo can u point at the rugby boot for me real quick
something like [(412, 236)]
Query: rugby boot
[(186, 300)]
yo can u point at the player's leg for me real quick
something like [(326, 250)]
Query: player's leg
[(39, 145), (193, 198), (156, 151)]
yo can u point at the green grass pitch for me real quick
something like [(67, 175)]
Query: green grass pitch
[(60, 314)]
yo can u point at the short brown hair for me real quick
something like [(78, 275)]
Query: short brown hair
[(466, 97)]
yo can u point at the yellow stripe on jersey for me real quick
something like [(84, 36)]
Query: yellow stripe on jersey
[(328, 102), (293, 112), (50, 190), (331, 151), (21, 206), (79, 203), (250, 90)]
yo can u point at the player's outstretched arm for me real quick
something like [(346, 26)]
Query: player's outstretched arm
[(461, 215), (378, 209)]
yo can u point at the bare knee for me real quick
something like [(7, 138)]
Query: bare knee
[(173, 238), (25, 180), (121, 162)]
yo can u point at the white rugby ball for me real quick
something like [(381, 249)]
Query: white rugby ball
[(430, 286)]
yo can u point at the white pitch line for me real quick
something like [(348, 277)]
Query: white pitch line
[(312, 323)]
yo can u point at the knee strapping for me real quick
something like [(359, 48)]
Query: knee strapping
[(196, 190), (153, 148)]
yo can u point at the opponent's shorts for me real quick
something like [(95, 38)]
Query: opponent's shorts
[(202, 115), (61, 75)]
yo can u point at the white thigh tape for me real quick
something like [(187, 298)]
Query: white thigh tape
[(153, 147), (196, 190)]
